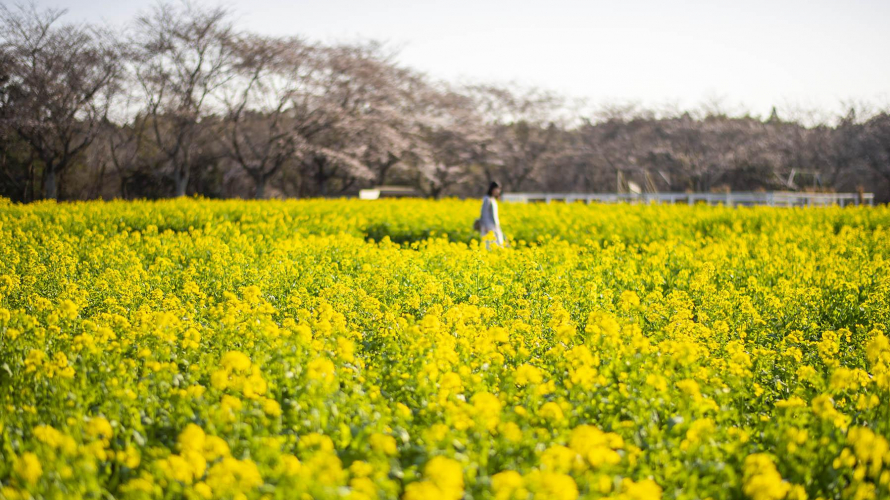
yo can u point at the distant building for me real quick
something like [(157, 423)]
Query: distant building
[(388, 192)]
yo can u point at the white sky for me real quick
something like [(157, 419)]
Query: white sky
[(750, 54)]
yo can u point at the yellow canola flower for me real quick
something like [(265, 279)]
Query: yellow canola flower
[(194, 441), (823, 406), (68, 309), (552, 412), (597, 447), (870, 449), (443, 480), (138, 485), (34, 360), (383, 444), (511, 432), (235, 361), (185, 468), (28, 468), (487, 407), (527, 374), (360, 468), (321, 369), (332, 343), (559, 458), (551, 485), (231, 476), (698, 430), (878, 349), (508, 485), (272, 408), (645, 489), (761, 479), (55, 439), (290, 465), (99, 428), (192, 438), (792, 402)]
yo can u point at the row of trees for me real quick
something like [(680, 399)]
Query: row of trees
[(186, 103)]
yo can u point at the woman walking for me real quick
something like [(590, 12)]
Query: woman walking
[(488, 221)]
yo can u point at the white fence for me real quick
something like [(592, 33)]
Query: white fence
[(772, 199)]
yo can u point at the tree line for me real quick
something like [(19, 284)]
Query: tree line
[(181, 101)]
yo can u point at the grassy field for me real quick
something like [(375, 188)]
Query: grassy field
[(345, 349)]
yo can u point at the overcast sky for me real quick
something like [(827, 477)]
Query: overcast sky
[(752, 53)]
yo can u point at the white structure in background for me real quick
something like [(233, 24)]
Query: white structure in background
[(772, 199), (388, 192)]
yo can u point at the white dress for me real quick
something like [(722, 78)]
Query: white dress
[(488, 221)]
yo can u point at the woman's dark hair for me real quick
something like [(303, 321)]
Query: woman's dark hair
[(494, 184)]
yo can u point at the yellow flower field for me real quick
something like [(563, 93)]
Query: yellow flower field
[(374, 350)]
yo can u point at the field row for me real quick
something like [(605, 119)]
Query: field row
[(340, 349)]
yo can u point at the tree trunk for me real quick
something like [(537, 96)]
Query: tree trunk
[(182, 181), (31, 185), (321, 177), (97, 189), (886, 175), (50, 187), (260, 181)]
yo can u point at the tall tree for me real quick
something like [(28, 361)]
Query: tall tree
[(258, 131), (182, 54), (61, 78), (391, 105), (877, 146), (456, 139), (340, 132), (16, 157), (523, 128)]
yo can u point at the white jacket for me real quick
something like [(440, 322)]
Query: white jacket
[(488, 221)]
